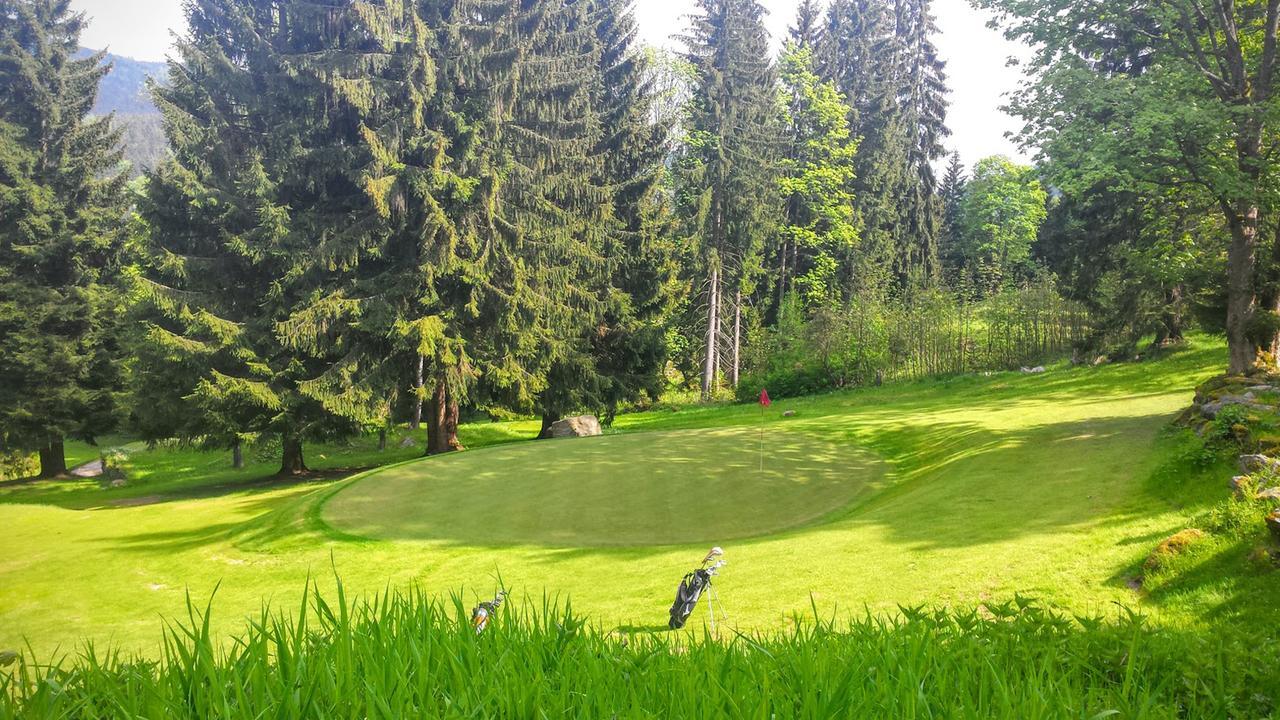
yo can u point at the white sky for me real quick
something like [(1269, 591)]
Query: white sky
[(976, 56)]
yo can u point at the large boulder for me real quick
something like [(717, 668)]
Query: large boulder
[(581, 426)]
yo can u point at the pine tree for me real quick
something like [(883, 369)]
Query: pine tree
[(278, 114), (881, 56), (806, 33), (729, 189), (950, 243), (623, 350), (61, 236), (860, 54), (922, 99)]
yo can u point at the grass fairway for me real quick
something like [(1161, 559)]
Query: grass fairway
[(1054, 485), (660, 488)]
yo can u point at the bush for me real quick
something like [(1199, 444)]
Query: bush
[(928, 332)]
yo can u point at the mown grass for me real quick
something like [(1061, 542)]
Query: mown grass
[(405, 654), (666, 488), (1054, 485)]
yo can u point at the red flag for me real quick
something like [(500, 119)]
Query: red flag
[(764, 398)]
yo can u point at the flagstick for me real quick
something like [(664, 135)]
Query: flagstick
[(762, 438)]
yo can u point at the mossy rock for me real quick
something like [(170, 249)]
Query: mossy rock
[(1170, 548), (1223, 385)]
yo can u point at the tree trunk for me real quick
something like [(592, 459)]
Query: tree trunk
[(737, 336), (1241, 298), (548, 420), (291, 460), (237, 455), (713, 316), (53, 461), (417, 396), (442, 422), (382, 439)]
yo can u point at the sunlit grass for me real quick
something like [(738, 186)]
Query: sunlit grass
[(405, 654)]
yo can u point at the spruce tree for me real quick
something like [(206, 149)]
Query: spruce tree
[(729, 171), (61, 236), (806, 32), (950, 247), (922, 99), (623, 350), (859, 54), (278, 115)]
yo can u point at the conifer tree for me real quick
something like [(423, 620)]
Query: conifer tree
[(859, 54), (278, 115), (806, 32), (950, 247), (623, 351), (729, 185), (922, 98), (61, 236)]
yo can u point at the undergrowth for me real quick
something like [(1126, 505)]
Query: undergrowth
[(404, 654)]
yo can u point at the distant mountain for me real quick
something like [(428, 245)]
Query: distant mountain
[(124, 92), (124, 89)]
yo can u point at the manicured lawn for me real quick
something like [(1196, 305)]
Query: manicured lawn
[(660, 488), (1054, 485)]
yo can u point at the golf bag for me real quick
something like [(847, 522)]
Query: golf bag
[(691, 589), (481, 613)]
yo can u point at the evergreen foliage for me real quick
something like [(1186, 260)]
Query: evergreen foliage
[(61, 236), (729, 166), (276, 114)]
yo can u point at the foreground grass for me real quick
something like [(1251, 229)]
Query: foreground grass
[(1054, 485), (406, 655)]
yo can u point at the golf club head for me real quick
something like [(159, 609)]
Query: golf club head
[(715, 553)]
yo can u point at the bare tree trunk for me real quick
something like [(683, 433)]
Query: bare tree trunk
[(53, 460), (382, 439), (713, 331), (237, 454), (417, 396), (442, 422), (737, 336), (291, 460)]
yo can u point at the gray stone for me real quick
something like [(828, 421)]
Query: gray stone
[(1250, 464), (1211, 409), (408, 442), (789, 413), (118, 483), (581, 426), (1037, 370), (1240, 484), (1269, 494)]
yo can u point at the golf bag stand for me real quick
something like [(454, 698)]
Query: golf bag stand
[(691, 589), (481, 613)]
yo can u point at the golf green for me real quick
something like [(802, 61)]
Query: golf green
[(657, 488)]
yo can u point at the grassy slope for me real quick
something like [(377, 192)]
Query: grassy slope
[(1049, 485)]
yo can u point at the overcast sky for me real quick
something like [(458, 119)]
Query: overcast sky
[(976, 56)]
